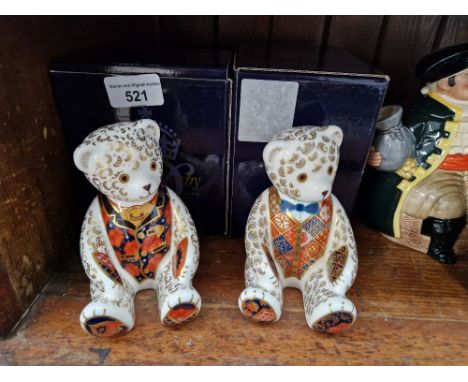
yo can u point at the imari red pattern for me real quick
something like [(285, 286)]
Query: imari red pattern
[(102, 259), (139, 248), (297, 245), (258, 310), (180, 257), (104, 326), (180, 313)]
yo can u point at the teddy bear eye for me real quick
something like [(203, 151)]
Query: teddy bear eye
[(330, 170), (124, 178), (153, 165), (302, 177)]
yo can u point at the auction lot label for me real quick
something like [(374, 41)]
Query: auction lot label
[(137, 90)]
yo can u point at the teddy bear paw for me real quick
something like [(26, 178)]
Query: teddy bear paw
[(332, 316), (182, 306), (106, 320), (260, 306)]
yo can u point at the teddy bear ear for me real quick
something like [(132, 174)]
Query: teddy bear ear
[(270, 151), (82, 156), (151, 128), (336, 134)]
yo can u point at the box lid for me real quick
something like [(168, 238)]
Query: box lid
[(296, 58), (148, 58)]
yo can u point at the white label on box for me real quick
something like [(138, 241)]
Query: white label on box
[(131, 91), (266, 108)]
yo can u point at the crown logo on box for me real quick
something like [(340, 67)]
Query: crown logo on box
[(169, 142)]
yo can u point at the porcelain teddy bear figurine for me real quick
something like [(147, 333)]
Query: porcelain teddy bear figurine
[(298, 234), (137, 234)]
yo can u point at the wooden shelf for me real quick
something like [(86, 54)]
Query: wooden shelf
[(411, 311)]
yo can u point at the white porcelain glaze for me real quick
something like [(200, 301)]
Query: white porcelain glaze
[(136, 234), (298, 234)]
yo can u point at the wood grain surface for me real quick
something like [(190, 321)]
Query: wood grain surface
[(411, 311), (406, 40), (357, 34), (455, 31), (35, 177), (188, 31), (237, 29), (298, 29)]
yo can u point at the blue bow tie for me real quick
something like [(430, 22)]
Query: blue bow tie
[(312, 208)]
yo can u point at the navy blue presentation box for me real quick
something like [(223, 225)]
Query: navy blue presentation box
[(282, 86), (194, 118)]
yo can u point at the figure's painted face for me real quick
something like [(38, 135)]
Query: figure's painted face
[(457, 87), (123, 161), (302, 162)]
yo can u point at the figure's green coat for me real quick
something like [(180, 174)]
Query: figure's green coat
[(426, 119)]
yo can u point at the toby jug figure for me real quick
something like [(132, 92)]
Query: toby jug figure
[(423, 204)]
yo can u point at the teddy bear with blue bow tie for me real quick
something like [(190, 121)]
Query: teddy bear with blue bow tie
[(298, 234)]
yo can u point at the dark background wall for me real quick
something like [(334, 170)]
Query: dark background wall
[(393, 44), (37, 218)]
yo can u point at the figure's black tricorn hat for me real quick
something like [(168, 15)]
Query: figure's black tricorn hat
[(443, 63)]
